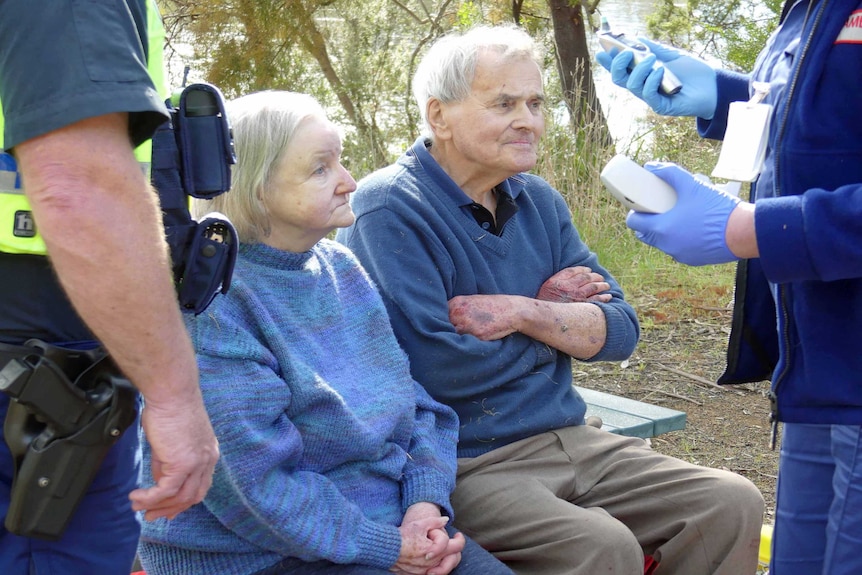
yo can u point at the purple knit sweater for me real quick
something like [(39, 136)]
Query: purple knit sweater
[(325, 438)]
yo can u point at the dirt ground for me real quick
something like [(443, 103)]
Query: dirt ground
[(680, 356)]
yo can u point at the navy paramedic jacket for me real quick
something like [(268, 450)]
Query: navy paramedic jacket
[(798, 309)]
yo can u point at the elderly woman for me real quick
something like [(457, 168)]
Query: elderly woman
[(333, 459)]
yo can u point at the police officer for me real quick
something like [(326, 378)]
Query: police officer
[(77, 98)]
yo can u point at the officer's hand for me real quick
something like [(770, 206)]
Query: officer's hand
[(184, 455), (698, 95), (693, 232)]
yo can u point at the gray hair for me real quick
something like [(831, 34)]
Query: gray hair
[(447, 70), (263, 124)]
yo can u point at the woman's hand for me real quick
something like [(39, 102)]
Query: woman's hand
[(426, 548)]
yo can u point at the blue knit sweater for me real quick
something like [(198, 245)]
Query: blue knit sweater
[(417, 239), (325, 438)]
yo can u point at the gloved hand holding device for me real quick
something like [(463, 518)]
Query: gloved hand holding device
[(693, 231), (698, 95)]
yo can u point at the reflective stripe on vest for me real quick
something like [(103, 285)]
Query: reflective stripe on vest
[(18, 234)]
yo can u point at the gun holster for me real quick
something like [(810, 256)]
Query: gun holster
[(67, 408)]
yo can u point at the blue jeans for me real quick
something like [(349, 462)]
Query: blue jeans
[(818, 520), (474, 561), (102, 536)]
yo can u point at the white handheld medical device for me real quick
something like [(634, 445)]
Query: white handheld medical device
[(637, 188), (610, 41)]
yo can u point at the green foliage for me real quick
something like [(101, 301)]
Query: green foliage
[(357, 59), (374, 62), (746, 41), (468, 15), (731, 31)]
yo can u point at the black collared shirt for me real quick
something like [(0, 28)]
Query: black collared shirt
[(506, 208)]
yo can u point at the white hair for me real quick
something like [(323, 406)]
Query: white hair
[(447, 70)]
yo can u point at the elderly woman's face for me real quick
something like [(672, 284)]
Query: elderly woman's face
[(310, 188)]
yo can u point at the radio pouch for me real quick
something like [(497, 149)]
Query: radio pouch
[(60, 424), (192, 157), (204, 140)]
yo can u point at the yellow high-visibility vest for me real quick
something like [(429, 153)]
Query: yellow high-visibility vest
[(18, 233)]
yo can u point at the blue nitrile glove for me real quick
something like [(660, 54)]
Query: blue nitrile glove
[(693, 231), (698, 95)]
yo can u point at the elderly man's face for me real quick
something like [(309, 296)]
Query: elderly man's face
[(498, 126)]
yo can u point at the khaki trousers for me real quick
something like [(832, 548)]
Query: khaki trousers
[(582, 501)]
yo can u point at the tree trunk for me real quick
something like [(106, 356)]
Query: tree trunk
[(574, 65), (312, 41)]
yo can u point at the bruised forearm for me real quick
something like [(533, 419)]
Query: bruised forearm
[(577, 329)]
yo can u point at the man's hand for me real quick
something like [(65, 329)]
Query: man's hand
[(578, 283), (184, 454)]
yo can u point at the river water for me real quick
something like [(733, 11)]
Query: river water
[(624, 111)]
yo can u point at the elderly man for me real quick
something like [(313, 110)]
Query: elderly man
[(492, 293)]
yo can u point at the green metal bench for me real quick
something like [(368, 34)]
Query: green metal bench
[(629, 416)]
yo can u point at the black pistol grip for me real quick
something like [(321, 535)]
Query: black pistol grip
[(41, 386)]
